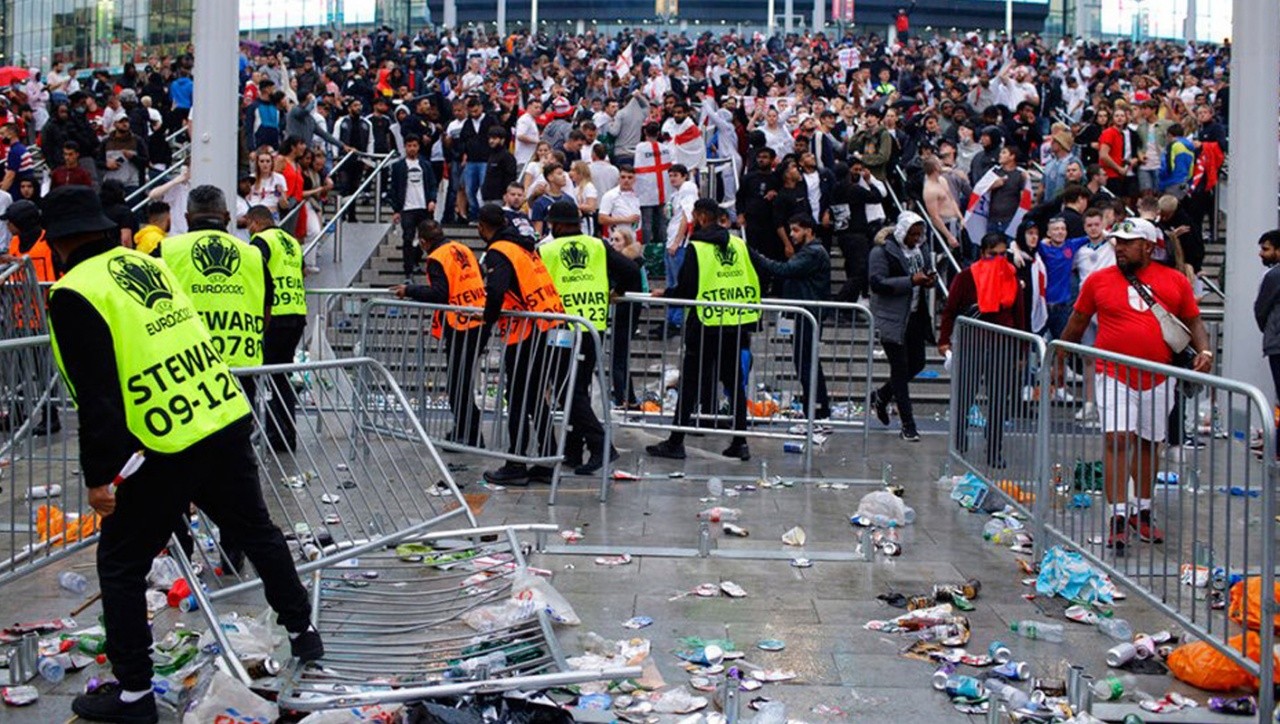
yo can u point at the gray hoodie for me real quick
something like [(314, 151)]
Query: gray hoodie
[(889, 273)]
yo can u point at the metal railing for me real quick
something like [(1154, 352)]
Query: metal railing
[(936, 237), (138, 199), (336, 220), (1153, 447), (526, 389), (289, 219)]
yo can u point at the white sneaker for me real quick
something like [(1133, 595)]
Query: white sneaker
[(1070, 375), (1088, 413), (1061, 394)]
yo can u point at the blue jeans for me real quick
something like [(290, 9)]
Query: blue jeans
[(473, 179), (675, 315)]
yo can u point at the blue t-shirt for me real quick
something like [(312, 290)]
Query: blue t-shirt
[(180, 91), (538, 211), (1058, 262)]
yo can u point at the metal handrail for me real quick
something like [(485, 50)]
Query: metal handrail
[(336, 218), (291, 217), (140, 196), (1212, 285), (934, 234)]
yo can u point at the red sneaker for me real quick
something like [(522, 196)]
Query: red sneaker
[(1119, 535), (1146, 528)]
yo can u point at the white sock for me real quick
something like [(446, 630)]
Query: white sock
[(1120, 509), (293, 636), (129, 697), (1143, 504)]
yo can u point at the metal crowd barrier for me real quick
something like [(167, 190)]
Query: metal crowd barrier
[(21, 300), (755, 362), (333, 321), (1207, 480), (458, 389), (43, 503), (994, 408)]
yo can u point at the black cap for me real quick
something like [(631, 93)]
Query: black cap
[(23, 214), (563, 212), (74, 210)]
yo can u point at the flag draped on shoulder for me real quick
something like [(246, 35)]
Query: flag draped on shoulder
[(622, 66), (978, 210)]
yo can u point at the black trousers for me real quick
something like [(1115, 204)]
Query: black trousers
[(906, 360), (279, 346), (463, 348), (998, 370), (805, 343), (712, 355), (856, 249), (620, 370), (584, 426), (220, 475), (409, 220), (534, 372)]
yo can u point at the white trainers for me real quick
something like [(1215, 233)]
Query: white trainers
[(1060, 394), (1088, 413)]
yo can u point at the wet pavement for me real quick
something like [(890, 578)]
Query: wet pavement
[(844, 672)]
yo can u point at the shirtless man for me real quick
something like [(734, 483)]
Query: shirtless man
[(943, 210)]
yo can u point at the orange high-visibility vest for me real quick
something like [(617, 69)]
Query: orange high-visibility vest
[(537, 292), (41, 257), (466, 287)]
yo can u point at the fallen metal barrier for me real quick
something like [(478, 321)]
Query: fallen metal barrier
[(458, 384), (1143, 444)]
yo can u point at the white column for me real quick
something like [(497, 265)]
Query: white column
[(1008, 18), (788, 22), (1251, 203), (771, 22), (819, 15), (214, 121), (533, 18), (1189, 25), (450, 13), (502, 19), (580, 26)]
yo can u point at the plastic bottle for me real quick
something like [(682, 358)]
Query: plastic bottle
[(1114, 688), (771, 712), (1012, 696), (49, 668), (492, 660), (44, 491), (1117, 628), (1039, 630), (73, 582), (718, 513), (92, 644), (715, 487)]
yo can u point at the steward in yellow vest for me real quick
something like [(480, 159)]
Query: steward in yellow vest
[(718, 270), (283, 256), (453, 278), (585, 271), (143, 371)]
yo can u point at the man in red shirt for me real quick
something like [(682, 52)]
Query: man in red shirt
[(291, 150), (1116, 155), (1134, 405), (70, 173)]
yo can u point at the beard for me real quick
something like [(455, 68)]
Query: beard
[(1128, 267)]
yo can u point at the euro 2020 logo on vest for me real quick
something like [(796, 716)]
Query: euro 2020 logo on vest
[(143, 281), (460, 258), (289, 245), (726, 255), (574, 256), (213, 254)]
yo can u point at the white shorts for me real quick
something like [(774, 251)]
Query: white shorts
[(1125, 409)]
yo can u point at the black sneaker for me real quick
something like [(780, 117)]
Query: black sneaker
[(666, 449), (909, 435), (738, 450), (103, 704), (508, 474), (307, 646), (45, 428), (1118, 538), (594, 464), (881, 408), (541, 474)]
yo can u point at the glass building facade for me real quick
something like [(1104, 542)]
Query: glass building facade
[(108, 33)]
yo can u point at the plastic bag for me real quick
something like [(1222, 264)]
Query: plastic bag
[(249, 638), (883, 508), (164, 572), (1237, 609), (528, 587), (1204, 667), (227, 701), (1065, 573), (969, 491), (374, 713)]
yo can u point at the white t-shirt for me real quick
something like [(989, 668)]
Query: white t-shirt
[(680, 209), (813, 184), (1090, 259), (267, 194), (176, 198), (617, 202), (525, 126), (415, 193), (604, 175)]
